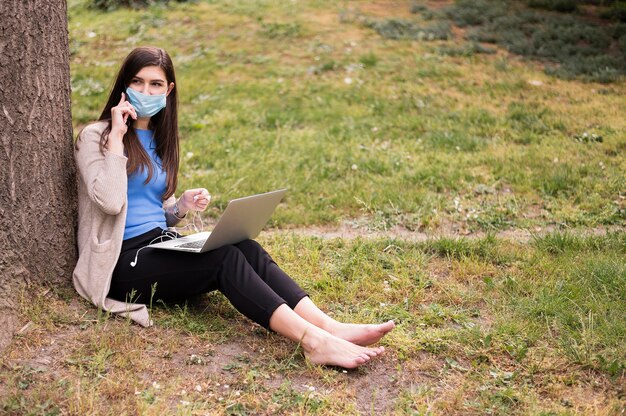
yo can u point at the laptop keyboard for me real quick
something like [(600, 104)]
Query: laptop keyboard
[(192, 244)]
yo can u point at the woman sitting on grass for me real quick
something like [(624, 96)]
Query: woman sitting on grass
[(128, 166)]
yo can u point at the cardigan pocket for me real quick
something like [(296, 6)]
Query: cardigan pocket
[(100, 247)]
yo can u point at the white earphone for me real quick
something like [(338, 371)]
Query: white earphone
[(160, 238), (171, 233)]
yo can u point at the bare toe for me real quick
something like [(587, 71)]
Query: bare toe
[(330, 350), (363, 334)]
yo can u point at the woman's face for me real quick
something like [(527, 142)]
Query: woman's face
[(151, 80)]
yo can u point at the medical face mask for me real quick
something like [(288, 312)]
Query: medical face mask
[(145, 105)]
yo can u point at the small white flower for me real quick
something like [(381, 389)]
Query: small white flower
[(156, 385), (91, 34), (183, 392), (347, 80), (237, 393), (382, 304), (311, 388), (198, 387), (189, 155), (226, 386), (220, 399), (184, 403), (354, 167)]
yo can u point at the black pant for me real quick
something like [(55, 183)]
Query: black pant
[(244, 272)]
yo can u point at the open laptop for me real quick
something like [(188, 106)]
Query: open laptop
[(243, 218)]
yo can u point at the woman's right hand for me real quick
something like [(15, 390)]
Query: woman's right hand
[(119, 116)]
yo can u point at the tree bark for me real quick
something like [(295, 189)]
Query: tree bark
[(38, 186)]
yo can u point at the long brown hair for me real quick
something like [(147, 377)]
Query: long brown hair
[(164, 123)]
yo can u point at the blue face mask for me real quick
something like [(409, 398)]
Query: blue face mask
[(145, 105)]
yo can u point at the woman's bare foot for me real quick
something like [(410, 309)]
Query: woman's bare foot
[(361, 334), (322, 348)]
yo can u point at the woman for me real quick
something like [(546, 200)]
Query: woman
[(128, 165)]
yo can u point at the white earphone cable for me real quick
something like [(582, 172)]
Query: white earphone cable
[(171, 233)]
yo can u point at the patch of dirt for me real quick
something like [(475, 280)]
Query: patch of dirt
[(349, 232), (376, 387), (381, 9)]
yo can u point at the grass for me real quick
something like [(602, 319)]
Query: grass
[(572, 46), (484, 326), (440, 137), (361, 117)]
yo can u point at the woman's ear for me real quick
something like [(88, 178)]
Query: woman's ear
[(169, 89)]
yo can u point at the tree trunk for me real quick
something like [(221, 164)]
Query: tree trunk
[(38, 186)]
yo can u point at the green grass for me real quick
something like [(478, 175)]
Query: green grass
[(360, 117), (439, 137), (515, 328), (570, 45)]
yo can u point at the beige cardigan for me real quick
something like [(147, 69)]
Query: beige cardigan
[(102, 203)]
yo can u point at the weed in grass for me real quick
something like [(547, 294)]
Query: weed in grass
[(437, 315), (466, 50), (581, 48), (415, 400), (460, 248), (435, 341), (183, 318), (21, 405), (418, 8), (370, 60), (585, 137), (289, 400), (455, 141), (87, 86), (472, 13), (404, 29), (564, 6), (528, 118), (561, 181), (275, 30), (616, 11), (558, 242)]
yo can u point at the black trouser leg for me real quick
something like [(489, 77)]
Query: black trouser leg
[(244, 273)]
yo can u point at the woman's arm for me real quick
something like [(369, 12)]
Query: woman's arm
[(191, 200), (170, 218), (104, 175)]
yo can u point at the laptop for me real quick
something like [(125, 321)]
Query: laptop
[(243, 218)]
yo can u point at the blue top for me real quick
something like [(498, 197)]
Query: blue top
[(145, 204)]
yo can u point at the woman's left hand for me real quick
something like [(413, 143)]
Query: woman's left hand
[(194, 199)]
